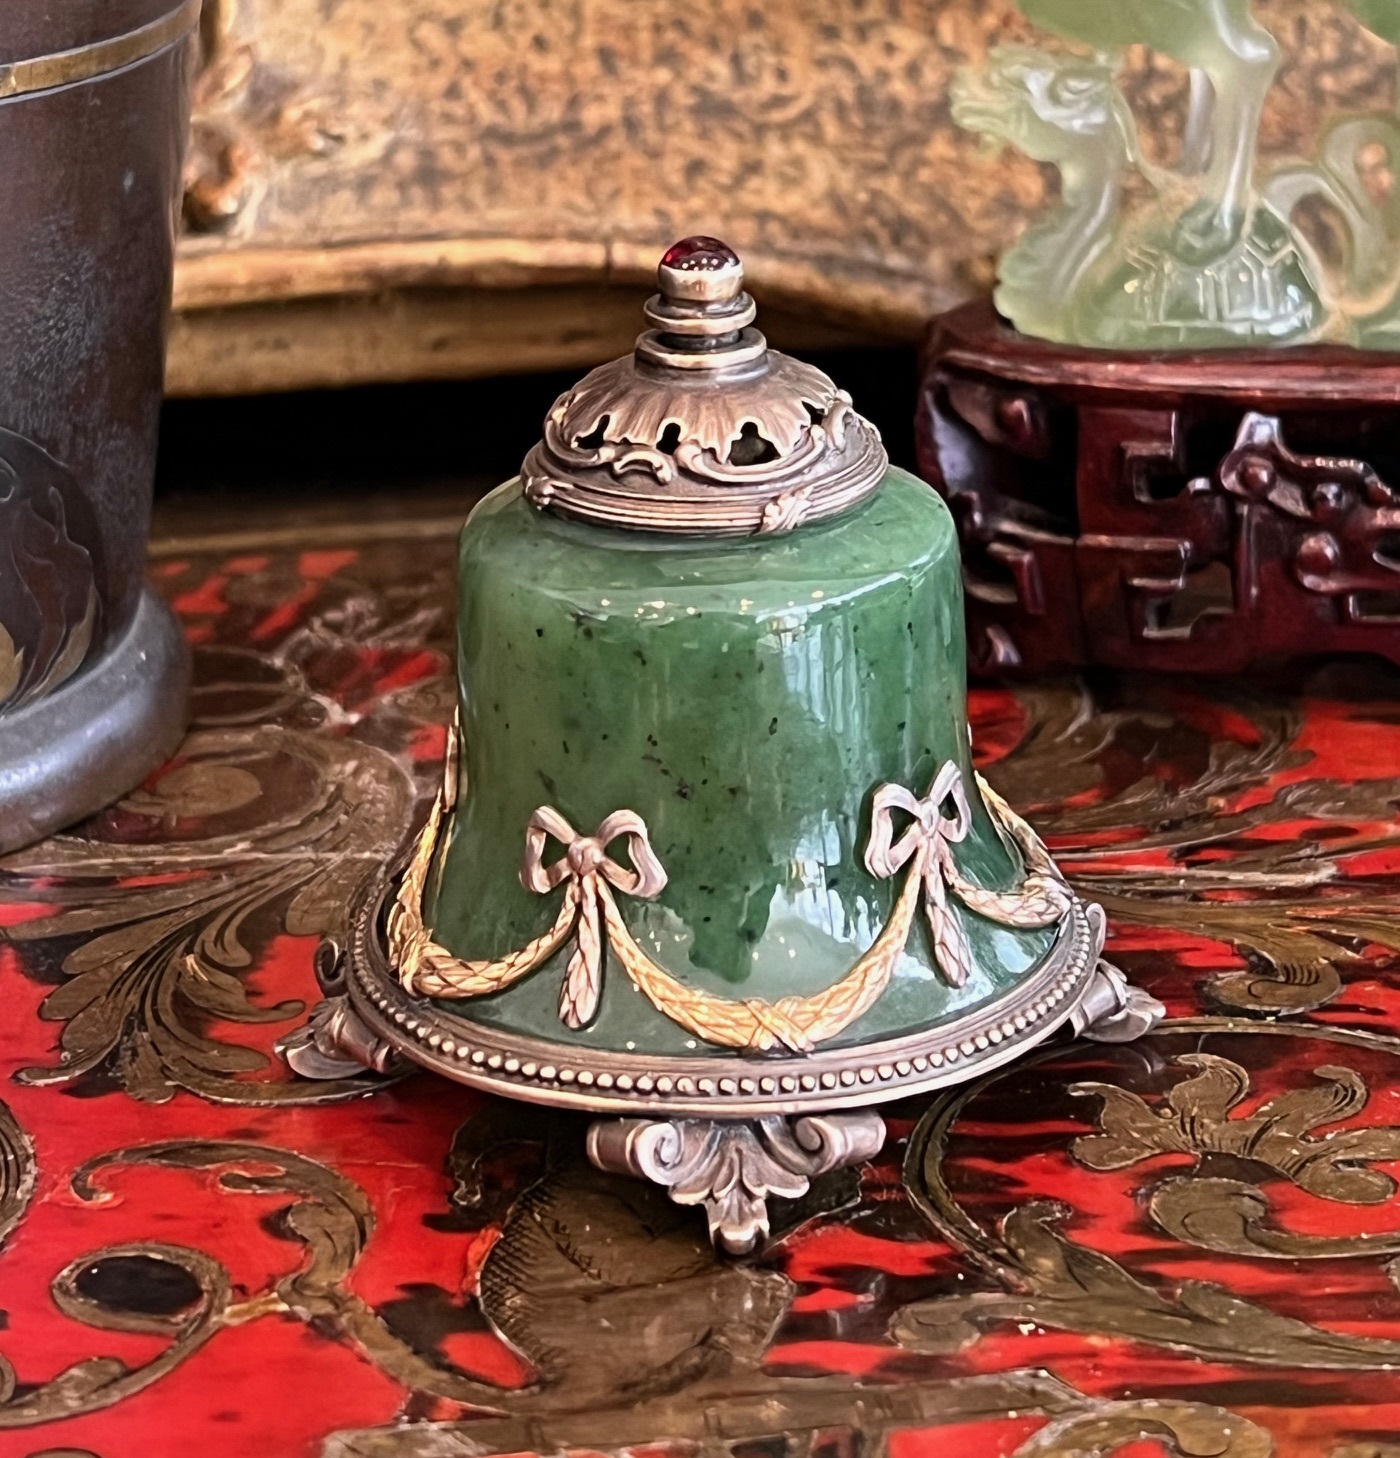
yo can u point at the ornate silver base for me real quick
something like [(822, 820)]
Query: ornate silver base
[(732, 1166), (1111, 1009), (726, 1133), (334, 1042)]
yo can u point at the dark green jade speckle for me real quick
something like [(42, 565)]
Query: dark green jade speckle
[(745, 697)]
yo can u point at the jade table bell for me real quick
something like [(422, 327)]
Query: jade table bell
[(710, 859)]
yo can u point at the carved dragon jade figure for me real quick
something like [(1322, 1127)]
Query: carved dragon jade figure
[(710, 858), (1209, 252)]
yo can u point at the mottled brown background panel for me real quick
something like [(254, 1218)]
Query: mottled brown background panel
[(347, 149)]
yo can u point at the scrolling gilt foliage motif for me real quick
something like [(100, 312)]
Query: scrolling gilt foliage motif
[(1042, 1275), (1174, 811), (547, 1278), (1199, 1116), (329, 1216), (17, 1172), (157, 963), (270, 821)]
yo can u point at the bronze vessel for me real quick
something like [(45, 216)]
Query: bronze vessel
[(93, 670)]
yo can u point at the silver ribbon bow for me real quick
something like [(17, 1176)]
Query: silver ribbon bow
[(925, 842), (585, 866)]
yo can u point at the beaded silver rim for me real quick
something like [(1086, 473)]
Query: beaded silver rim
[(724, 1085)]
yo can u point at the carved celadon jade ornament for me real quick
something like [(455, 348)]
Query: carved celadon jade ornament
[(1209, 252)]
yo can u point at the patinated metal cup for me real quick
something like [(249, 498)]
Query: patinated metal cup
[(93, 671)]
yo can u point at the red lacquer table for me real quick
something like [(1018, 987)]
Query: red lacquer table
[(1178, 1246)]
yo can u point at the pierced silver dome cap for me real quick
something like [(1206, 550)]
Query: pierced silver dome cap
[(703, 429)]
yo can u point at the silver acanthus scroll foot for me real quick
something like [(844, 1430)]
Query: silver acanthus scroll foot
[(1112, 1010), (732, 1166), (334, 1042)]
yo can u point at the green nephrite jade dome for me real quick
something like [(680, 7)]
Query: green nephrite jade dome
[(744, 698), (710, 858)]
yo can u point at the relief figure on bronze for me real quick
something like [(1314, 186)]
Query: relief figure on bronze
[(48, 578)]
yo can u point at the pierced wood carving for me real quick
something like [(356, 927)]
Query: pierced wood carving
[(1201, 512)]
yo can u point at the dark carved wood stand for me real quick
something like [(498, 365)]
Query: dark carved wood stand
[(1204, 512)]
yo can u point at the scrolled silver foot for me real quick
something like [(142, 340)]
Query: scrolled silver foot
[(732, 1166), (1112, 1010), (335, 1043)]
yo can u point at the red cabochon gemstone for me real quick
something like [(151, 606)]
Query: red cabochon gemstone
[(699, 255)]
